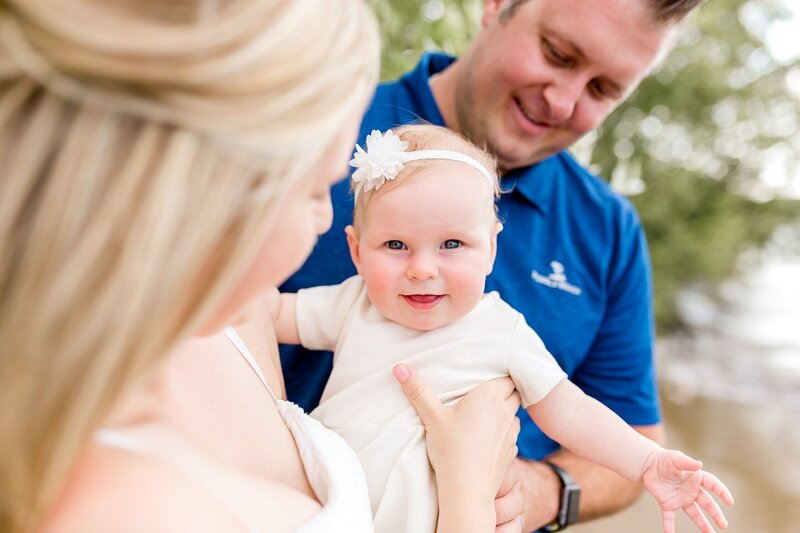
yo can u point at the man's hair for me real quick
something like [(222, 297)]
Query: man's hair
[(663, 11)]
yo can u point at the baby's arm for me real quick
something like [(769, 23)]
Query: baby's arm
[(282, 308), (588, 428), (582, 424)]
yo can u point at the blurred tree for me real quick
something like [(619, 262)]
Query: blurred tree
[(702, 147)]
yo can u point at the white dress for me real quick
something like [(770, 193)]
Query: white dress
[(333, 470), (365, 405)]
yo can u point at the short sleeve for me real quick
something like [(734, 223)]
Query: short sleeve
[(619, 369), (322, 312), (532, 368)]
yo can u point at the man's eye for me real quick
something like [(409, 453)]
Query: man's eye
[(598, 89), (451, 244), (395, 245), (554, 56)]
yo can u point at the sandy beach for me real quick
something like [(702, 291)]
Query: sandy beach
[(754, 450)]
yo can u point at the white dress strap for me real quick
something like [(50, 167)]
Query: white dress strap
[(245, 351)]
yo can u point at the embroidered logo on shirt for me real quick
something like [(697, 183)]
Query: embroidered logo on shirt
[(556, 279)]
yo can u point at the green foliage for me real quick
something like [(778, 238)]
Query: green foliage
[(689, 146)]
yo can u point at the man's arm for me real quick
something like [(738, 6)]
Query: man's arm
[(603, 491)]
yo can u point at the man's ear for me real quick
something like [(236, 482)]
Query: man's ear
[(352, 243), (491, 10), (498, 227)]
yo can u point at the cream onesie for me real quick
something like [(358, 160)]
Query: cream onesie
[(363, 403)]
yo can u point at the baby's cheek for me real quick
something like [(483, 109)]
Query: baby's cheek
[(379, 289)]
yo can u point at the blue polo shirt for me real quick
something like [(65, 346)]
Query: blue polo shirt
[(572, 258)]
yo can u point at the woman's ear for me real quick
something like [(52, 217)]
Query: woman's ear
[(352, 243), (498, 227)]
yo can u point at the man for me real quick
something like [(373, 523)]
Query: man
[(572, 257)]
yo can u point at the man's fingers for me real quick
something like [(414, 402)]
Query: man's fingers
[(510, 481), (508, 507), (512, 526), (418, 393)]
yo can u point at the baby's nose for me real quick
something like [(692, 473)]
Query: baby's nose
[(421, 266)]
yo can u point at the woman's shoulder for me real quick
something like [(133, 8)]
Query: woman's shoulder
[(123, 492)]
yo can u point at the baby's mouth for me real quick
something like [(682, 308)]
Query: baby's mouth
[(423, 302)]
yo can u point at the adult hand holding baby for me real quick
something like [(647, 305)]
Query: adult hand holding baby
[(474, 442)]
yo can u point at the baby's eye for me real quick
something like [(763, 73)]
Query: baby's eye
[(395, 245), (452, 244)]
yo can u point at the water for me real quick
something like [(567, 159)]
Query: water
[(731, 394)]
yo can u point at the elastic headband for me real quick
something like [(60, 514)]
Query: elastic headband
[(386, 156)]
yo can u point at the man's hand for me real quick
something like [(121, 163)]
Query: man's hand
[(508, 503), (528, 498)]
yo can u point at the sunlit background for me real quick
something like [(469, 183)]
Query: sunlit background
[(708, 151)]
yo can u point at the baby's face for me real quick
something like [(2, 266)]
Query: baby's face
[(426, 246)]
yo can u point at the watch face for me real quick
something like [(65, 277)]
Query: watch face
[(570, 499), (569, 504), (568, 508)]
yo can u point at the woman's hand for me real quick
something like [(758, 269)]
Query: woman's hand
[(470, 446)]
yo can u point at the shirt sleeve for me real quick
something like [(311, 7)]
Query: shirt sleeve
[(619, 369), (322, 312), (532, 368)]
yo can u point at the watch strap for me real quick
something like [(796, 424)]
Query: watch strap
[(568, 500)]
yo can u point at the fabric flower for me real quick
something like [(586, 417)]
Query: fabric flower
[(382, 160)]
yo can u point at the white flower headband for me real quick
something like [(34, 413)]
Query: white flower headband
[(386, 155)]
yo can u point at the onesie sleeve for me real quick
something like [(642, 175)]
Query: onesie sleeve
[(534, 371), (322, 312)]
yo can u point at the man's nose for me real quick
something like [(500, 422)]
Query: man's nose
[(422, 265), (562, 96)]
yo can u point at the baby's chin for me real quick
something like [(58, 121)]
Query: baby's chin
[(424, 321)]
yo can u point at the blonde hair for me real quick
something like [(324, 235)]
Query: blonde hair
[(427, 137), (144, 147)]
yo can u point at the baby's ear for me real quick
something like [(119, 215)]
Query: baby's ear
[(498, 227), (352, 243)]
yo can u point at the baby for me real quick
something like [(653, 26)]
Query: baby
[(423, 241)]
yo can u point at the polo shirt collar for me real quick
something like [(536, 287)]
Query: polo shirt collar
[(534, 183), (416, 82)]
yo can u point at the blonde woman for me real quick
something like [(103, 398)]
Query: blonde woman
[(163, 164)]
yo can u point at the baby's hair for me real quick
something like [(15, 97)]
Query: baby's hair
[(427, 137)]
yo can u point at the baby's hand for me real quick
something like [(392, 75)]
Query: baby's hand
[(678, 482)]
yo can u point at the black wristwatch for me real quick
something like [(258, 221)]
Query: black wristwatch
[(570, 497)]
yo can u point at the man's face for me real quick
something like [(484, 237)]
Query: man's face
[(535, 81)]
